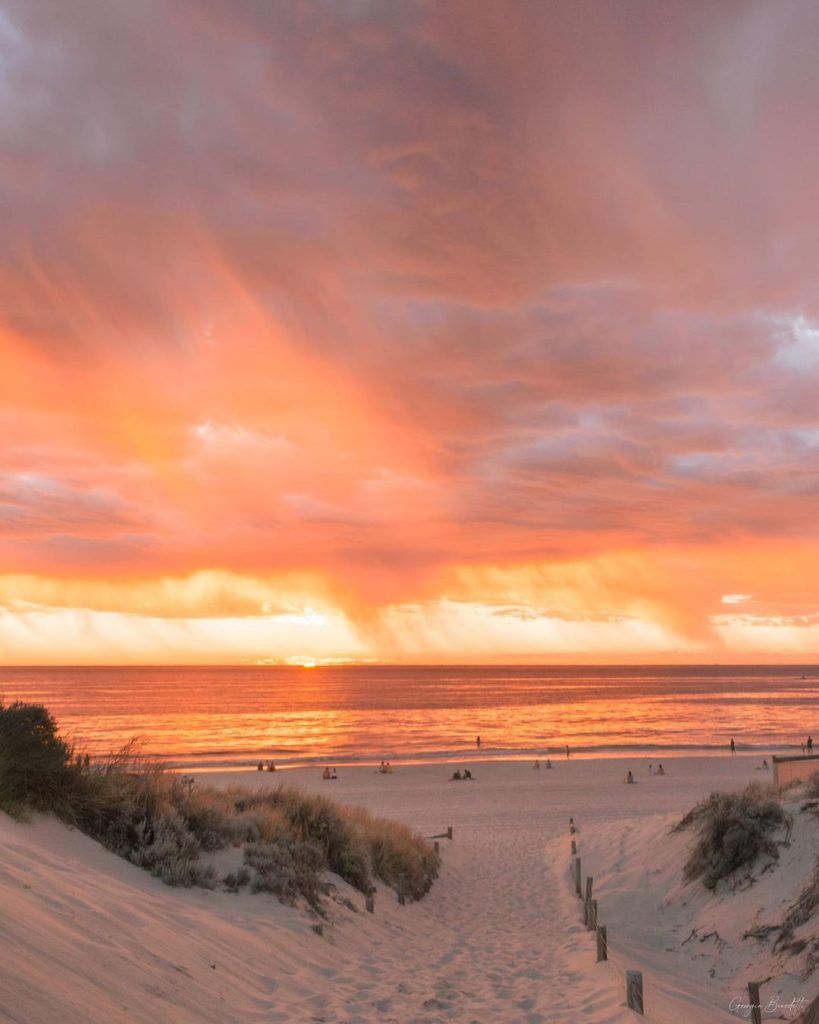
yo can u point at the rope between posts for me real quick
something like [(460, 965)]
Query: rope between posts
[(618, 969)]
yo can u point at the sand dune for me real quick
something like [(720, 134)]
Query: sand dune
[(87, 937)]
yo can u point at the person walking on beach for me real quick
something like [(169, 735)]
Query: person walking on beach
[(568, 754), (733, 747), (809, 744)]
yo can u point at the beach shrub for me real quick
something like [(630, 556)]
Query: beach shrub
[(734, 831), (169, 824), (287, 867), (169, 850), (35, 762)]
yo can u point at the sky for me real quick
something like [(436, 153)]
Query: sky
[(447, 331)]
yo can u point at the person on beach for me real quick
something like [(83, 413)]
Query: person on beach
[(568, 754), (733, 747), (334, 774), (260, 766), (478, 742), (467, 774), (765, 765), (270, 766), (536, 766), (548, 763), (660, 770), (809, 744), (326, 773), (650, 768), (630, 778), (456, 776)]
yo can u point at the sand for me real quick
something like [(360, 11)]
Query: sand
[(87, 937)]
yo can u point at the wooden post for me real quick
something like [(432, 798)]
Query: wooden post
[(449, 832), (577, 877), (592, 916), (571, 826), (588, 887), (370, 905), (574, 848), (586, 913), (634, 991), (602, 943), (755, 1004)]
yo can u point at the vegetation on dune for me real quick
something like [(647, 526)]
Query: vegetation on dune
[(734, 831), (165, 823)]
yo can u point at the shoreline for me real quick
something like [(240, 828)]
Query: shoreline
[(471, 758)]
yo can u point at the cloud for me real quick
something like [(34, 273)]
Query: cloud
[(408, 301)]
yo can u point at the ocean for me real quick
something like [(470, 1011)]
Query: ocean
[(208, 718)]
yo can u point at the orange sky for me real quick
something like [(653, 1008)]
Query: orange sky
[(454, 331)]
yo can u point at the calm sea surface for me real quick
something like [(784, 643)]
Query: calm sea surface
[(232, 717)]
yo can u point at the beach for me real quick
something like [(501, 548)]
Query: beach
[(89, 937)]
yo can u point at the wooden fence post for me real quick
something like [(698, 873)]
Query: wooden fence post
[(588, 887), (449, 832), (592, 916), (602, 943), (577, 877), (756, 1005), (634, 991), (574, 848)]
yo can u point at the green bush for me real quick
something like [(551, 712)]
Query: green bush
[(734, 830), (165, 823), (35, 763)]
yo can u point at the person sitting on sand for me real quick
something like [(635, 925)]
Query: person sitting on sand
[(260, 766), (548, 763), (630, 778), (334, 774), (326, 773), (536, 766), (660, 770), (456, 776), (383, 769), (270, 766), (467, 774), (765, 765)]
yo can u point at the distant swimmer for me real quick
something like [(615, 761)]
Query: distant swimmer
[(733, 747)]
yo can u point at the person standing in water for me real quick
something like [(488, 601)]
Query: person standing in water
[(733, 747), (568, 754)]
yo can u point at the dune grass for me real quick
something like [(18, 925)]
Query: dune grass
[(288, 841), (734, 830)]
